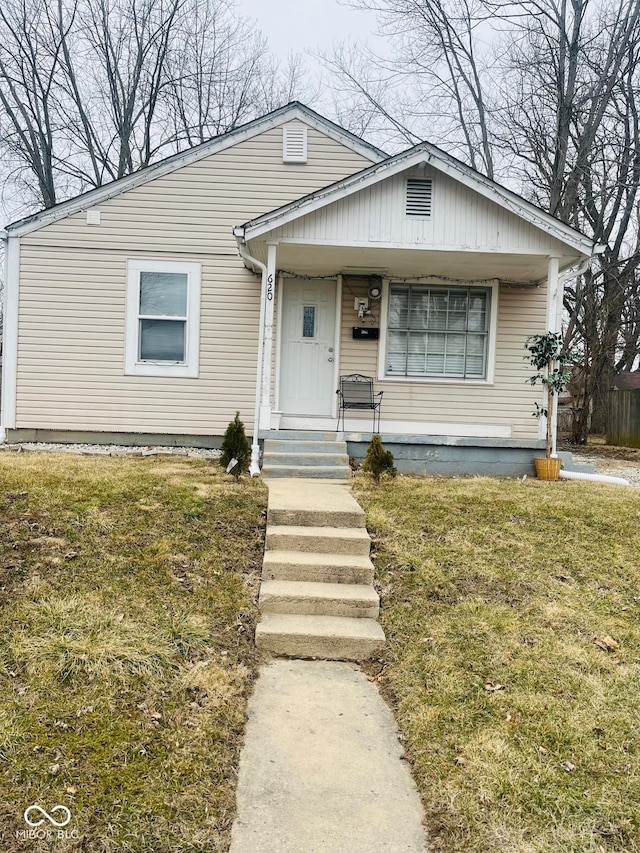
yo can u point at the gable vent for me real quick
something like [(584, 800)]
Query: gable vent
[(419, 195), (294, 143)]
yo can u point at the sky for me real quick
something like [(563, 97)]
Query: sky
[(299, 25), (294, 26)]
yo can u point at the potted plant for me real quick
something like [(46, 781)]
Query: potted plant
[(552, 363)]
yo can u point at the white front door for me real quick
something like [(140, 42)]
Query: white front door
[(307, 347)]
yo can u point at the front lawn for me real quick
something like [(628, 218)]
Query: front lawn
[(512, 611), (127, 593)]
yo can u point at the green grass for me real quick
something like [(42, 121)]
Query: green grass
[(127, 591), (513, 663)]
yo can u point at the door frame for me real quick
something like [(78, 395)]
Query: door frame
[(336, 346)]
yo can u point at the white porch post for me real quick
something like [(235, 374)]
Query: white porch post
[(554, 324), (267, 353)]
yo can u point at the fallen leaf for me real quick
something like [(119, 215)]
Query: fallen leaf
[(460, 760), (70, 555), (54, 769), (71, 790), (606, 643), (490, 687), (568, 766), (543, 751)]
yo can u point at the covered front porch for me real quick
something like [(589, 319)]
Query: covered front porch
[(445, 348), (423, 275)]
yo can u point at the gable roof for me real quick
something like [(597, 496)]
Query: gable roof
[(427, 153), (294, 111)]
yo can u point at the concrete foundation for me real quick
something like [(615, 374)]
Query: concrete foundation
[(419, 454), (121, 439), (413, 454)]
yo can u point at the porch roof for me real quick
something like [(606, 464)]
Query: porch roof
[(307, 255), (309, 259)]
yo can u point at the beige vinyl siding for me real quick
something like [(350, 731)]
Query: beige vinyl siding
[(195, 208), (461, 219), (73, 278), (75, 380), (509, 401)]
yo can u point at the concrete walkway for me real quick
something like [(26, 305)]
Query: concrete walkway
[(321, 770)]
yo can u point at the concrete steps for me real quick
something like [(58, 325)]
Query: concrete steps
[(307, 455), (316, 598), (319, 540), (323, 472), (319, 599), (317, 568), (326, 637)]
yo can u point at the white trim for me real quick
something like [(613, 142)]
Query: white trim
[(554, 288), (276, 390), (336, 346), (553, 285), (290, 112), (488, 380), (254, 466), (188, 368), (265, 403), (10, 333), (421, 154), (418, 247), (400, 427)]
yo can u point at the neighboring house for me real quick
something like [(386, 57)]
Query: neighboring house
[(253, 271)]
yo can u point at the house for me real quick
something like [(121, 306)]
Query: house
[(251, 272)]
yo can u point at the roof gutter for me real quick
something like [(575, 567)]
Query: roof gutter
[(257, 266)]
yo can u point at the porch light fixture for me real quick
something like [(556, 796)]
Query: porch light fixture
[(375, 288)]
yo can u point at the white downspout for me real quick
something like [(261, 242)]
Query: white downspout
[(594, 478), (254, 466)]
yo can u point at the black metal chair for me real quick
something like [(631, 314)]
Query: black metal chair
[(356, 393)]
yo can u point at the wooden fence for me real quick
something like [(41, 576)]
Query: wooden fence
[(623, 418)]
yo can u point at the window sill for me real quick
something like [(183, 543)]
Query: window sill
[(436, 380), (166, 370)]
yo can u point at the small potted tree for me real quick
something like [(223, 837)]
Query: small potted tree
[(552, 363)]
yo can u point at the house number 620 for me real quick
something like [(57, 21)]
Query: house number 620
[(270, 287)]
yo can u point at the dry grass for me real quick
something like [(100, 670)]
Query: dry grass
[(513, 662), (126, 648)]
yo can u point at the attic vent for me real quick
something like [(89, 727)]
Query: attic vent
[(294, 144), (419, 193)]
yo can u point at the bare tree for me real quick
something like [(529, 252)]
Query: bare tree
[(91, 90), (544, 93), (573, 133), (435, 78)]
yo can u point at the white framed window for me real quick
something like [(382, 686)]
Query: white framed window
[(163, 318), (439, 333)]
